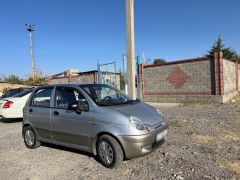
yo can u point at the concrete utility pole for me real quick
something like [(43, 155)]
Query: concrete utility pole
[(30, 29), (131, 70)]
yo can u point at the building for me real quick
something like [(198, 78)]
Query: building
[(75, 76)]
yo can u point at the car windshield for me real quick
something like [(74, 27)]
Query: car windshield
[(106, 95), (24, 93)]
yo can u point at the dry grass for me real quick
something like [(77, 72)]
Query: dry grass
[(207, 150), (232, 166), (175, 124), (236, 98), (203, 139), (231, 137), (228, 135)]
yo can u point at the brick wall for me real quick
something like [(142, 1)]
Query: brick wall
[(88, 78), (59, 80), (195, 80), (229, 76), (180, 78)]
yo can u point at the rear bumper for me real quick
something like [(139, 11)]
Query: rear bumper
[(9, 113), (137, 146)]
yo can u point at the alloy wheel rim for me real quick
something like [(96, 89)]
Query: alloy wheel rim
[(106, 152), (29, 137)]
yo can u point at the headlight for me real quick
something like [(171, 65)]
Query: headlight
[(136, 123)]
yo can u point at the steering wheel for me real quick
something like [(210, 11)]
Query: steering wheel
[(107, 99)]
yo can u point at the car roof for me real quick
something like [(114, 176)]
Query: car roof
[(69, 85)]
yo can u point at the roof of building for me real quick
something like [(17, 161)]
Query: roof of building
[(79, 73), (95, 71)]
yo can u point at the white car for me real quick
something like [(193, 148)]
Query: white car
[(12, 107)]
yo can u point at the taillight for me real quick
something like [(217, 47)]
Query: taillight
[(7, 104)]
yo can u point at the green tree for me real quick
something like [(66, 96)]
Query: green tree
[(13, 79), (159, 61), (37, 81), (228, 52)]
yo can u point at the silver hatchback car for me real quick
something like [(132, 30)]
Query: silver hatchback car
[(96, 118)]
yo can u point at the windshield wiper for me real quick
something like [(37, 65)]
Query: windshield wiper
[(131, 101), (119, 103)]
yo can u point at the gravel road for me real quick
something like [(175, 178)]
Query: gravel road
[(203, 143)]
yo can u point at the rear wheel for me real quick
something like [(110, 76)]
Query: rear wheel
[(109, 151), (30, 138)]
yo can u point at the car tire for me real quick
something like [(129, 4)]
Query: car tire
[(109, 152), (30, 138)]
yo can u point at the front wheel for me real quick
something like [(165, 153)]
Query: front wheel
[(30, 138), (109, 151)]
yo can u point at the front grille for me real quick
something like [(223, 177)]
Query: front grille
[(159, 125)]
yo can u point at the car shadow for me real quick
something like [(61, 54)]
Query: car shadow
[(10, 120), (63, 148)]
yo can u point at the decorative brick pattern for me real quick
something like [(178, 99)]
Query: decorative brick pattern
[(177, 78), (195, 80)]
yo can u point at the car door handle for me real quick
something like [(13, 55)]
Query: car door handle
[(30, 110), (55, 113)]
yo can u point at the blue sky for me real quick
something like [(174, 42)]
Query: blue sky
[(77, 33)]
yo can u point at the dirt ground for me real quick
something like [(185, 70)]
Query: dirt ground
[(203, 143)]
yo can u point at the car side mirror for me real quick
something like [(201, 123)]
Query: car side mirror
[(83, 105), (73, 106)]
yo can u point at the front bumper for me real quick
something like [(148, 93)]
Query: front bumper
[(141, 145)]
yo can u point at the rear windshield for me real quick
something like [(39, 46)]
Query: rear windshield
[(24, 93), (11, 92)]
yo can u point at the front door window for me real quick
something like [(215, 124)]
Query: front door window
[(66, 96)]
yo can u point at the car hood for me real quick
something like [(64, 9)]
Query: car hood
[(146, 113)]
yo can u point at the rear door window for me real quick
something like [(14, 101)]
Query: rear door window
[(42, 98)]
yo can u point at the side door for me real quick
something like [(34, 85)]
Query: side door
[(67, 124), (39, 111)]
